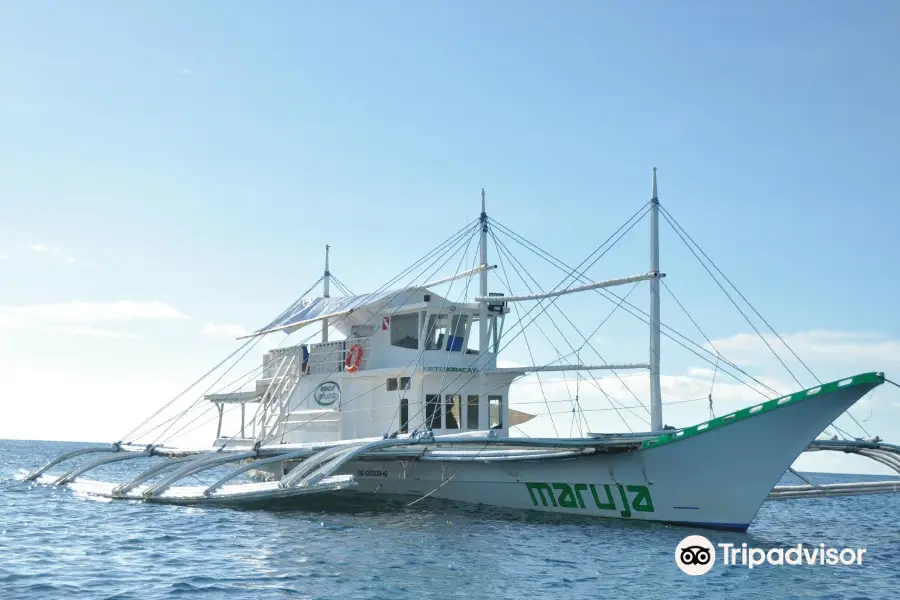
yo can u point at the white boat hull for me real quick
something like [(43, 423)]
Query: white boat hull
[(715, 474), (716, 478)]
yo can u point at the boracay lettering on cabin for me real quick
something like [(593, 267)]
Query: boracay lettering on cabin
[(572, 495)]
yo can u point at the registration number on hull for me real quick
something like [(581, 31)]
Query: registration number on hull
[(371, 473)]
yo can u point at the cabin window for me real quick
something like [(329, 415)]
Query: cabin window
[(451, 410), (393, 383), (457, 333), (472, 412), (496, 411), (438, 327), (404, 416), (474, 340), (405, 331), (433, 411), (362, 331)]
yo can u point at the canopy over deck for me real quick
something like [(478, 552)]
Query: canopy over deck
[(369, 304)]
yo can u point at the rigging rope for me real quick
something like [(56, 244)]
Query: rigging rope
[(674, 223), (208, 373), (504, 249), (679, 230), (527, 344), (712, 384), (643, 211), (530, 290), (450, 241), (643, 316), (450, 333), (465, 235), (639, 214), (727, 295), (575, 351), (344, 289), (243, 379)]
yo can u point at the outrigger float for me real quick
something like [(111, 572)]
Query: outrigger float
[(411, 402)]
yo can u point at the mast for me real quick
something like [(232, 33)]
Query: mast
[(483, 338), (326, 280), (656, 422)]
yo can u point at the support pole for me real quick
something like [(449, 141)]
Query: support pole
[(326, 280), (483, 337), (221, 408), (656, 420)]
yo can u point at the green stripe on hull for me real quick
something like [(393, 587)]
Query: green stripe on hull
[(746, 413)]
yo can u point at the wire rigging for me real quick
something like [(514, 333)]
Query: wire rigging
[(643, 316), (684, 236), (505, 251), (736, 305), (459, 243), (460, 234), (675, 225), (465, 237), (527, 344), (614, 238)]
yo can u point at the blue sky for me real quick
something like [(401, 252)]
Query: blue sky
[(199, 155)]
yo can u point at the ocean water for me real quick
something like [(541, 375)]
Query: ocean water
[(56, 543)]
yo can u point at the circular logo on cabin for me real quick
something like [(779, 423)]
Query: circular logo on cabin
[(327, 393)]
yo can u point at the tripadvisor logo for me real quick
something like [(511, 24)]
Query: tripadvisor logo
[(696, 555)]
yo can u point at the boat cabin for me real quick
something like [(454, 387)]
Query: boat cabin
[(409, 361)]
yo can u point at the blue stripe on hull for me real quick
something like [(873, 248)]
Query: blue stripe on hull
[(738, 527)]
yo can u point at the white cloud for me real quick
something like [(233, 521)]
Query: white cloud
[(81, 312), (87, 330), (684, 393), (272, 341), (3, 255), (508, 364), (229, 330), (51, 251), (815, 345), (831, 354), (184, 71), (76, 398), (71, 318)]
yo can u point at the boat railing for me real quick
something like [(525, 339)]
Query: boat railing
[(272, 361), (331, 357)]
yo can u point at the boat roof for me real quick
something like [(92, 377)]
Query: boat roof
[(363, 306)]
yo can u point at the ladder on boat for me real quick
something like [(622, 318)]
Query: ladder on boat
[(275, 403)]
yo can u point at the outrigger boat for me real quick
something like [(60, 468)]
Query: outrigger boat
[(412, 402)]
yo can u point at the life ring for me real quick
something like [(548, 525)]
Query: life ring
[(354, 357)]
